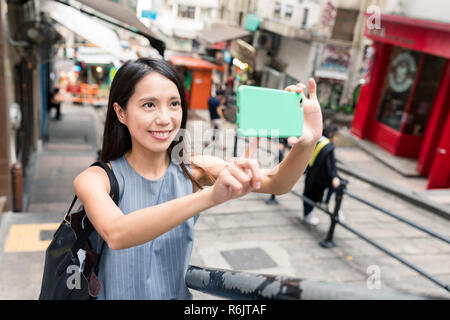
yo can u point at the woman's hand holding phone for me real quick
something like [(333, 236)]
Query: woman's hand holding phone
[(242, 176), (312, 121)]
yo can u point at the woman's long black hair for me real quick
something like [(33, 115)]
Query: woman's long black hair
[(116, 136)]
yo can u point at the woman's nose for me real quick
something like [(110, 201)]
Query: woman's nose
[(163, 117)]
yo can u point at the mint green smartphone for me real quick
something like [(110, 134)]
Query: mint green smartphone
[(265, 112)]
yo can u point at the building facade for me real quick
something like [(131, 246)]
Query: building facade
[(310, 38), (178, 22), (235, 12), (24, 56), (285, 50)]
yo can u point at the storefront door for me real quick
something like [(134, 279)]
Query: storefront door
[(201, 89)]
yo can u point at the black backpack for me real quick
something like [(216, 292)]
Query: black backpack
[(63, 278)]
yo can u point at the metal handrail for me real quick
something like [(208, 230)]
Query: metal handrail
[(334, 217), (230, 284), (412, 224)]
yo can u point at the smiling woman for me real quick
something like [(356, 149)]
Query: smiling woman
[(149, 234)]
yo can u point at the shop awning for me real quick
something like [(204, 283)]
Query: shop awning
[(124, 16), (416, 34), (82, 25), (93, 55), (219, 32)]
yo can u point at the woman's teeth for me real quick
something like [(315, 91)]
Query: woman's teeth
[(160, 133)]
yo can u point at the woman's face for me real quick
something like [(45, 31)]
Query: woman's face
[(153, 114)]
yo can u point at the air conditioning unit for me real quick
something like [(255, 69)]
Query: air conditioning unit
[(262, 40)]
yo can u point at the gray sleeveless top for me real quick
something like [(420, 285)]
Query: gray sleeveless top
[(156, 269)]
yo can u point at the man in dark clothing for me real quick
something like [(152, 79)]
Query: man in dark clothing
[(213, 104), (321, 173)]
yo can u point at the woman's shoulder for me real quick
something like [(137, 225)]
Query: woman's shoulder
[(92, 177)]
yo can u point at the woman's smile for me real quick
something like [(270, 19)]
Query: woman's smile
[(161, 135)]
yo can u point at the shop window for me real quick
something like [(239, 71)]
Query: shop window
[(424, 94), (289, 10), (397, 87), (205, 13), (277, 10), (186, 12), (345, 24)]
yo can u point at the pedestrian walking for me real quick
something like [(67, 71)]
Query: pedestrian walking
[(55, 103), (321, 174), (149, 234)]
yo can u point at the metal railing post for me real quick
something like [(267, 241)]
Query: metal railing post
[(272, 199), (334, 218)]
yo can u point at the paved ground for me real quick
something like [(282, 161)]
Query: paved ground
[(244, 234)]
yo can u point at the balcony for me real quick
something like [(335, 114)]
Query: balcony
[(286, 30)]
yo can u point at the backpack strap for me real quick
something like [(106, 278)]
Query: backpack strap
[(323, 141), (89, 228)]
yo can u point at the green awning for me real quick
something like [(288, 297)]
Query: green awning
[(252, 22)]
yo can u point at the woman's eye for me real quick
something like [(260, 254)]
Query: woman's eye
[(149, 104), (175, 103)]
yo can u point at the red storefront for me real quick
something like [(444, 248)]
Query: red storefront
[(405, 106)]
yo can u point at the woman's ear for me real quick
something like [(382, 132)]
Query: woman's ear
[(120, 113)]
